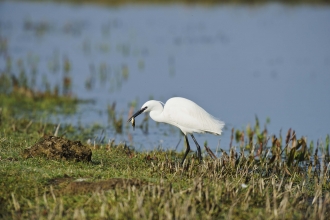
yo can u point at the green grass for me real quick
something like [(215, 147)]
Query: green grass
[(121, 183), (267, 178)]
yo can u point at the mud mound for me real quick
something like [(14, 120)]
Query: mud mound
[(86, 187), (61, 181), (58, 148)]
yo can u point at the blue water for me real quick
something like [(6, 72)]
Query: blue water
[(235, 61)]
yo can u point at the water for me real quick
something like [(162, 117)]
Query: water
[(235, 61)]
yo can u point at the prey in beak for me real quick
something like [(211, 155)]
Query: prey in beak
[(132, 119), (133, 123)]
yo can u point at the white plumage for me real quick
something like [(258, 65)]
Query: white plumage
[(184, 114)]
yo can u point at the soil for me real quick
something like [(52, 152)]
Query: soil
[(58, 148), (83, 187), (68, 185)]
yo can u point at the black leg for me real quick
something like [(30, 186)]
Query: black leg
[(199, 152), (187, 149)]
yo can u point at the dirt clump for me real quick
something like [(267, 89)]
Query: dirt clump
[(61, 181), (82, 187), (58, 148)]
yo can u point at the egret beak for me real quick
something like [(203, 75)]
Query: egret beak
[(136, 114)]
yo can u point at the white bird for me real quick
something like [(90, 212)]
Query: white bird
[(184, 114)]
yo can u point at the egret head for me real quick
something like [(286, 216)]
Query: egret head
[(151, 105), (131, 119)]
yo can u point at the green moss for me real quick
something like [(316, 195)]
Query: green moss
[(287, 182), (40, 188), (17, 104)]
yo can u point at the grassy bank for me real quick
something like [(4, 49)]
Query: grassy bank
[(259, 177)]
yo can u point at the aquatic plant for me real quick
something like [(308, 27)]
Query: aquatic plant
[(117, 122)]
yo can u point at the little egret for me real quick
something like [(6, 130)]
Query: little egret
[(184, 114)]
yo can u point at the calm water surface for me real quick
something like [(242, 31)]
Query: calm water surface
[(235, 61)]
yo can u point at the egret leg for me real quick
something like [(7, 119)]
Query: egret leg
[(199, 152), (187, 149)]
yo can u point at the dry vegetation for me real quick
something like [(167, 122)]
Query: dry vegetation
[(42, 177), (260, 176), (263, 179)]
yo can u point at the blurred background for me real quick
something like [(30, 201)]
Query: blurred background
[(237, 59)]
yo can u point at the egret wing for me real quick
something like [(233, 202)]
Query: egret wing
[(190, 117)]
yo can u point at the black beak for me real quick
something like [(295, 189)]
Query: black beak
[(137, 113)]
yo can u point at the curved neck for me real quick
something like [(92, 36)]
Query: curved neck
[(157, 115)]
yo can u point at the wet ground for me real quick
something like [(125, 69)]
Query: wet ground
[(58, 148)]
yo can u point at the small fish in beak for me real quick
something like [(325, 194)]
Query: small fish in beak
[(132, 119), (133, 123)]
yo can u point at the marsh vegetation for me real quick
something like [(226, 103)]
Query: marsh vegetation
[(54, 167), (259, 176)]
